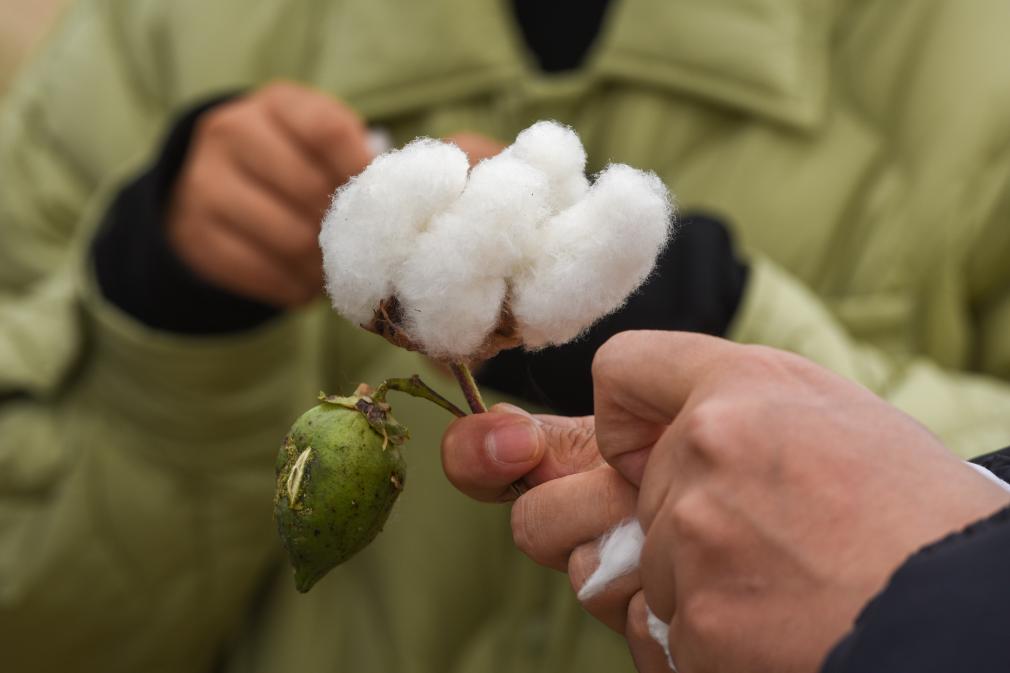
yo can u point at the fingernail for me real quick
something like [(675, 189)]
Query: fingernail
[(512, 443)]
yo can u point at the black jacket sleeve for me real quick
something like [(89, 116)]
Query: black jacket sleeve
[(138, 271), (946, 609)]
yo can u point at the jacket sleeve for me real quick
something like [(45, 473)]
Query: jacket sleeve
[(969, 411), (135, 465), (944, 609)]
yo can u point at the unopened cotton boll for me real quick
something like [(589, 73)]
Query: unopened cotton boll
[(556, 150), (453, 285), (374, 219), (594, 254)]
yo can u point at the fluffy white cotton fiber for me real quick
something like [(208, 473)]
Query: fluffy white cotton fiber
[(453, 285), (660, 632), (594, 254), (372, 224), (620, 553), (620, 550), (557, 151), (524, 226)]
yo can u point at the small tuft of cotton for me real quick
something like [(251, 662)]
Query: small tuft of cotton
[(379, 140), (556, 150), (593, 255), (453, 285), (660, 632), (989, 475), (620, 550), (371, 225)]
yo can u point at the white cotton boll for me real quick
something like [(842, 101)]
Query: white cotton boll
[(594, 254), (373, 220), (452, 286), (556, 150), (620, 550)]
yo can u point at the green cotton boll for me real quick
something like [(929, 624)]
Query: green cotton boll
[(339, 472)]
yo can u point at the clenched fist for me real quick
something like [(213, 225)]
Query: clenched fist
[(776, 498), (246, 208)]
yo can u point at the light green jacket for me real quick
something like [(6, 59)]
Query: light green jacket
[(860, 148)]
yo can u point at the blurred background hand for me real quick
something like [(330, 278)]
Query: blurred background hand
[(476, 145), (246, 209)]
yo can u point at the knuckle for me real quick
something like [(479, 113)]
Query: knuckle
[(608, 360), (617, 496), (688, 516), (219, 123), (578, 446), (699, 618), (213, 204), (277, 92), (636, 628), (336, 129), (527, 528), (770, 363), (706, 428)]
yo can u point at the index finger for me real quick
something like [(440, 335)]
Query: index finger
[(641, 381)]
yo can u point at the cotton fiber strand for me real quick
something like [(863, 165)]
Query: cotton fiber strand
[(620, 553), (620, 550), (660, 632), (521, 237)]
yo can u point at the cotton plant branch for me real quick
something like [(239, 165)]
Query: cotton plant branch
[(459, 264)]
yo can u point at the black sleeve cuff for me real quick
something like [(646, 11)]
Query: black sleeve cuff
[(138, 271), (946, 609), (696, 287)]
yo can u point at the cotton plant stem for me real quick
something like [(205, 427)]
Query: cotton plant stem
[(416, 387), (469, 387), (472, 393)]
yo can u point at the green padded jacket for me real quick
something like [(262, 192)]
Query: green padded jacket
[(860, 148)]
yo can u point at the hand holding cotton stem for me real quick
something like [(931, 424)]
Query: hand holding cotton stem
[(520, 250), (458, 264)]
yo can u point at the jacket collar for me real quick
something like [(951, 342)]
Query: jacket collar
[(767, 57), (764, 57)]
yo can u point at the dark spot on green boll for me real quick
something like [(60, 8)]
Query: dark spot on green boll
[(345, 491)]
